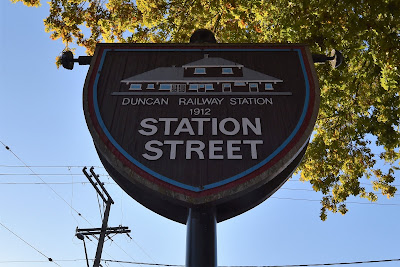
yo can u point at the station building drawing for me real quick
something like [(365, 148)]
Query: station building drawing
[(207, 75)]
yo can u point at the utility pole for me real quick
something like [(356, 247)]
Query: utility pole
[(104, 230)]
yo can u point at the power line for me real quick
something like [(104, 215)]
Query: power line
[(48, 258), (346, 202), (144, 263), (30, 168), (144, 251), (281, 198), (126, 253), (292, 265), (155, 264), (51, 188), (322, 264), (72, 197), (104, 251), (32, 261), (304, 189), (53, 183), (290, 180), (45, 174), (107, 175), (175, 265), (47, 166)]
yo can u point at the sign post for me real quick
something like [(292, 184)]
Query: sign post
[(200, 133), (201, 237)]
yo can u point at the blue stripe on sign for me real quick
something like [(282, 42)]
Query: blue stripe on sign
[(220, 183)]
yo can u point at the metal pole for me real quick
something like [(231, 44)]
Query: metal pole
[(201, 238), (82, 237), (102, 235), (88, 176), (87, 260), (201, 235), (96, 176)]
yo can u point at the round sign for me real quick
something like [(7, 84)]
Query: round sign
[(184, 125)]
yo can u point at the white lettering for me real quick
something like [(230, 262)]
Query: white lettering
[(227, 126), (253, 145), (158, 152), (236, 126), (199, 149), (231, 149), (213, 148), (200, 124), (217, 149), (246, 123), (125, 101), (214, 128), (144, 124), (167, 127), (182, 101), (184, 127), (251, 101), (173, 144)]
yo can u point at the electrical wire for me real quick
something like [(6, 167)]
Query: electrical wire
[(98, 202), (144, 263), (292, 265), (52, 183), (321, 264), (72, 195), (175, 265), (30, 168), (31, 261), (144, 251), (126, 253), (154, 264), (105, 252), (272, 197), (51, 188), (41, 253), (291, 180), (107, 175), (45, 174), (48, 166), (346, 202)]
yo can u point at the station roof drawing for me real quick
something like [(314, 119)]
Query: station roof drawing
[(212, 62), (176, 74)]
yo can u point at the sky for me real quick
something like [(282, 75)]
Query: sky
[(42, 188)]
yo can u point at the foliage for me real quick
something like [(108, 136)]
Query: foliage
[(358, 124)]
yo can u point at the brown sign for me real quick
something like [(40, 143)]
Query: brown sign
[(200, 124)]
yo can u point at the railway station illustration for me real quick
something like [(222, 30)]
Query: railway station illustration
[(208, 75)]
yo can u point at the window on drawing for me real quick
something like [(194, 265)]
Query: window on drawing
[(179, 88), (253, 87), (150, 86), (166, 87), (209, 87), (193, 87), (200, 71), (268, 86), (226, 87), (227, 71), (135, 86)]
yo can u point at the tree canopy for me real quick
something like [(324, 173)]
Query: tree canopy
[(357, 134)]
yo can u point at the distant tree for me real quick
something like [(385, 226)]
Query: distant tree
[(358, 124)]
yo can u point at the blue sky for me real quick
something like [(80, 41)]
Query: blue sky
[(42, 121)]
